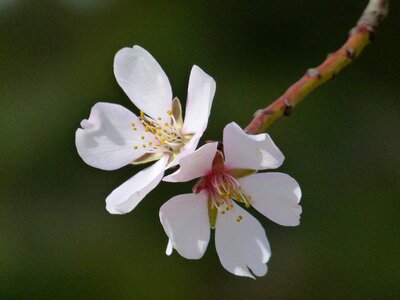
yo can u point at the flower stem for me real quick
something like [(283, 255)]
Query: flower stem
[(359, 37)]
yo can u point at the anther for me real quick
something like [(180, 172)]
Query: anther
[(159, 118), (135, 147), (144, 146), (142, 137)]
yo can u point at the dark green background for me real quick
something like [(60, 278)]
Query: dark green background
[(342, 145)]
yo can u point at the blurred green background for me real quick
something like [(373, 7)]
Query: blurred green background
[(342, 145)]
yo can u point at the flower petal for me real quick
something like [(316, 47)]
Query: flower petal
[(170, 248), (107, 139), (188, 148), (125, 197), (275, 195), (194, 165), (246, 151), (241, 243), (143, 80), (201, 92), (185, 221)]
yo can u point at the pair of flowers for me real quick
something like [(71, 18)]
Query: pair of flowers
[(113, 137)]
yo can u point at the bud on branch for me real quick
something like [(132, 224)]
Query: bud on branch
[(359, 37)]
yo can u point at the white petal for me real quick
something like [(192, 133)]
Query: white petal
[(199, 100), (107, 138), (185, 221), (188, 148), (241, 245), (194, 165), (125, 197), (143, 80), (246, 151), (170, 248), (275, 195)]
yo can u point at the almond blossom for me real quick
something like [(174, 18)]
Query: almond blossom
[(113, 136), (226, 179)]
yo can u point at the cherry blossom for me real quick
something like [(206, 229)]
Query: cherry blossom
[(113, 136), (228, 181)]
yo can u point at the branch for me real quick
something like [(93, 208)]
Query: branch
[(359, 37)]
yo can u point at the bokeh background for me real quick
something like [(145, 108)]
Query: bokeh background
[(342, 145)]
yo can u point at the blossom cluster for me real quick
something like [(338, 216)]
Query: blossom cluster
[(228, 182)]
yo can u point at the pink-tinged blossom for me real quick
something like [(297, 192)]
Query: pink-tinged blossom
[(228, 178), (113, 136)]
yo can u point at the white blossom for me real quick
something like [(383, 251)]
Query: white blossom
[(228, 178), (113, 136)]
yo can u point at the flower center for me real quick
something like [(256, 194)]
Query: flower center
[(162, 136), (165, 135), (168, 135), (221, 186)]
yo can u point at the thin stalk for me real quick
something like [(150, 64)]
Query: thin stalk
[(359, 37)]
